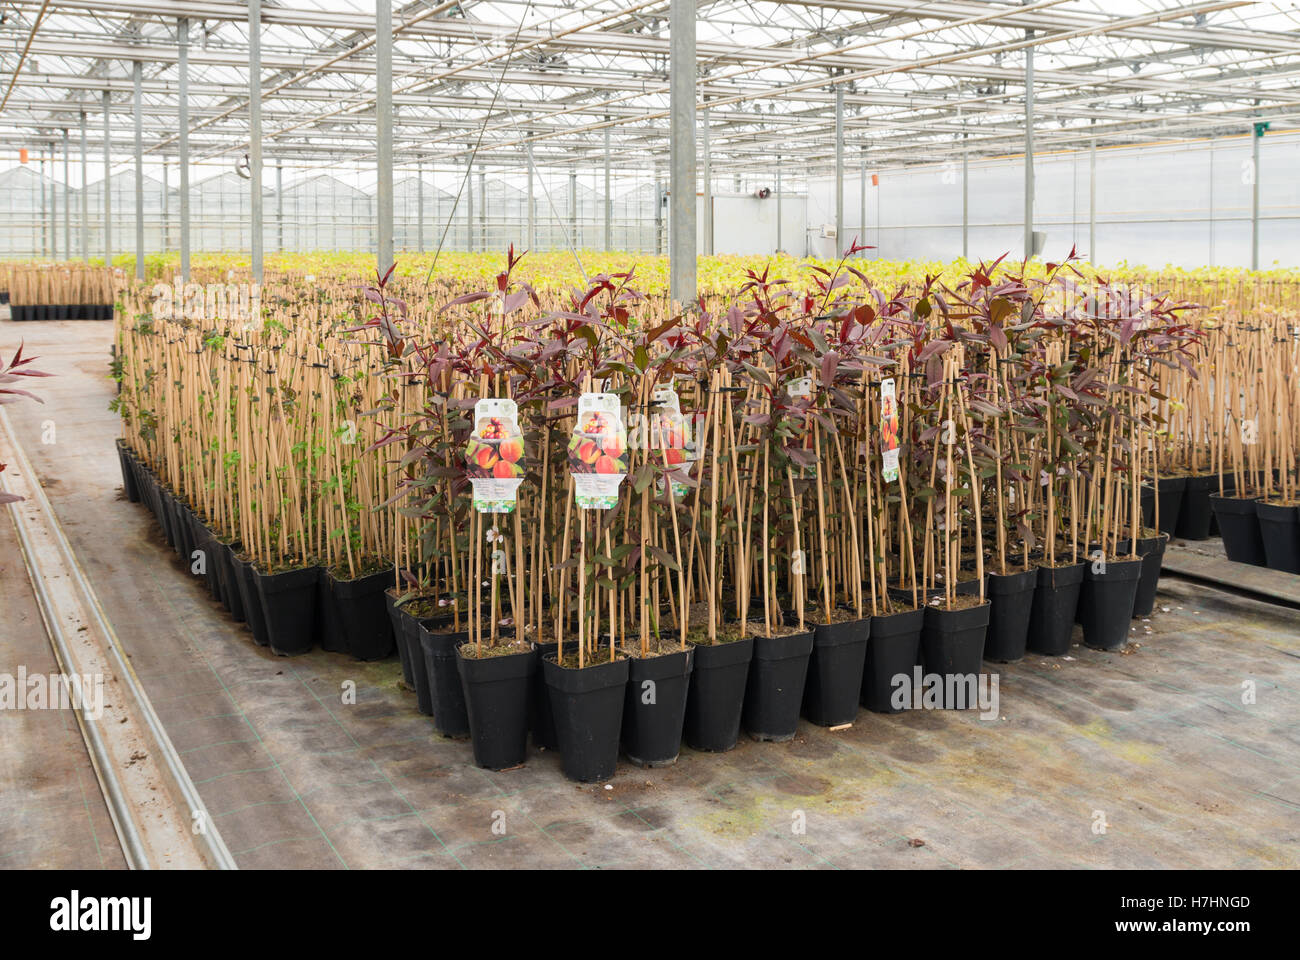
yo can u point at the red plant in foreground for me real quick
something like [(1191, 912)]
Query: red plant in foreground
[(9, 374)]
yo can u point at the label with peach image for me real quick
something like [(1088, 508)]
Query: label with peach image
[(494, 456), (598, 451), (888, 431), (669, 437)]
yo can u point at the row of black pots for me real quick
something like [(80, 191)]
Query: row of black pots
[(1185, 509), (426, 647), (282, 610), (947, 643), (703, 695), (643, 706), (1036, 609), (1259, 533), (636, 703), (61, 311)]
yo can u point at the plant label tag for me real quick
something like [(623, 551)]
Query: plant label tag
[(598, 451), (494, 456), (889, 430), (668, 435), (801, 389)]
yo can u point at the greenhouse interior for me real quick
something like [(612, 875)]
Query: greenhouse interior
[(652, 435)]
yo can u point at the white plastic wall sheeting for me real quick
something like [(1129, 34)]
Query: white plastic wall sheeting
[(746, 225), (1187, 204)]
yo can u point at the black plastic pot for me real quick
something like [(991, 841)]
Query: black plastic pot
[(1056, 600), (412, 631), (1279, 530), (496, 692), (234, 596), (1152, 552), (952, 646), (226, 577), (1147, 503), (774, 689), (588, 709), (188, 534), (154, 498), (654, 708), (203, 539), (968, 588), (329, 632), (438, 683), (166, 515), (289, 608), (1229, 486), (893, 649), (834, 683), (248, 596), (125, 460), (1195, 517), (1106, 602), (357, 608), (1011, 603), (419, 666), (717, 694), (397, 617), (1170, 491), (1239, 524), (541, 720), (904, 596), (218, 562)]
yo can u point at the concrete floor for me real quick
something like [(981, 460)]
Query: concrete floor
[(1154, 742), (52, 814)]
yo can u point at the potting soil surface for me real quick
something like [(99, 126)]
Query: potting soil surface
[(1181, 750)]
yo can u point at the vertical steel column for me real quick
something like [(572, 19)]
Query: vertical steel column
[(108, 193), (683, 130), (778, 203), (965, 197), (419, 203), (573, 208), (49, 211), (839, 168), (609, 200), (862, 198), (1092, 198), (279, 205), (384, 128), (482, 209), (1029, 149), (137, 76), (183, 129), (166, 217), (659, 211), (532, 203), (469, 205), (85, 202), (1257, 134), (255, 135), (67, 200), (706, 200), (1210, 260)]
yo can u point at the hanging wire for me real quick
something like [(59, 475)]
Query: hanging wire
[(469, 166)]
